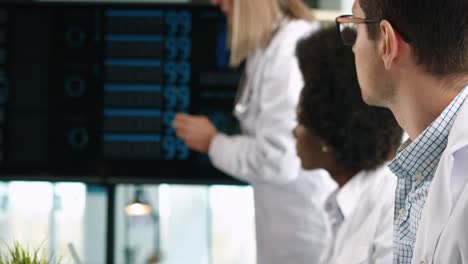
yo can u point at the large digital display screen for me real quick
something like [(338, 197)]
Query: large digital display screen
[(92, 89)]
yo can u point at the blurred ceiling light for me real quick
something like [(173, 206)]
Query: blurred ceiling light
[(139, 206)]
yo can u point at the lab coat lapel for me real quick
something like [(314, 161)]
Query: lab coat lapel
[(440, 203), (435, 215)]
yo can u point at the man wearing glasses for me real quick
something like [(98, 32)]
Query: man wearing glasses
[(412, 57)]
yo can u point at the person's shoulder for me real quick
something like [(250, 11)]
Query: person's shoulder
[(383, 174), (302, 24), (295, 29), (291, 30), (382, 184)]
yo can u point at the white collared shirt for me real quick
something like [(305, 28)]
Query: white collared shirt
[(361, 216)]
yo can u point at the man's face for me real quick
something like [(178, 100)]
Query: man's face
[(369, 66)]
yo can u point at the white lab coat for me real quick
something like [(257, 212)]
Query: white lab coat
[(365, 236), (442, 235), (290, 221)]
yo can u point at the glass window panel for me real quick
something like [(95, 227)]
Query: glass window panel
[(189, 224), (194, 224), (29, 213), (233, 225), (185, 226), (4, 230), (95, 225), (51, 216), (180, 231), (69, 210)]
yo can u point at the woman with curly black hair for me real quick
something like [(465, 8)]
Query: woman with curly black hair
[(337, 131)]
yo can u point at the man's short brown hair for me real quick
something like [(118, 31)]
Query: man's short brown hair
[(438, 30)]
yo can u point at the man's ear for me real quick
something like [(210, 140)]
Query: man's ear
[(389, 41)]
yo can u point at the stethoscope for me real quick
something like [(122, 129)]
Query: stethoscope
[(244, 89), (243, 96)]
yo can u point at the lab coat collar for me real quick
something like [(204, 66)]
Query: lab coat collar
[(347, 197), (458, 137)]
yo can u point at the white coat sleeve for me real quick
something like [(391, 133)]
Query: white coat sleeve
[(270, 155)]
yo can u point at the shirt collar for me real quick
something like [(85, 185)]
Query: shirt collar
[(346, 198), (422, 154)]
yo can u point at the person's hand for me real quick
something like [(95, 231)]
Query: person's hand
[(196, 131)]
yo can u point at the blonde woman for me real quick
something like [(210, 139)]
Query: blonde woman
[(290, 224)]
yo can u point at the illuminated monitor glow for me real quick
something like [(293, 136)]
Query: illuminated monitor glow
[(92, 89)]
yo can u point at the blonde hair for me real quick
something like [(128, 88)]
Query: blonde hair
[(253, 22)]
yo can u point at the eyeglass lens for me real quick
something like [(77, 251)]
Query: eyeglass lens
[(348, 33)]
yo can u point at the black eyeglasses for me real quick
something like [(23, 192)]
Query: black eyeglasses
[(347, 27)]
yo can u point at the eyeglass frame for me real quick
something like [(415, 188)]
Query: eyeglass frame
[(360, 20)]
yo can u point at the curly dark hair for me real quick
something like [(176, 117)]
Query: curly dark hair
[(331, 106)]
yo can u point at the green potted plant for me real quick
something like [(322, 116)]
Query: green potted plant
[(18, 254)]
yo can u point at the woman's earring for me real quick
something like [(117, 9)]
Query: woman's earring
[(325, 149)]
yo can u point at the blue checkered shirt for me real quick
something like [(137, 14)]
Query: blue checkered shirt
[(415, 166)]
